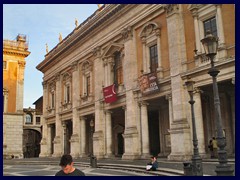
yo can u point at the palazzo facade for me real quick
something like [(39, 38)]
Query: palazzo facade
[(119, 46), (14, 54)]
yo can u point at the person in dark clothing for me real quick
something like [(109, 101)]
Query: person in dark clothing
[(153, 165), (210, 146), (68, 169)]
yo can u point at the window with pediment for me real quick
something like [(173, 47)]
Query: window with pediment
[(86, 79), (150, 36), (66, 88), (51, 100), (113, 57), (207, 17)]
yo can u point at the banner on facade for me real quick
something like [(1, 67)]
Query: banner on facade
[(148, 83), (109, 93)]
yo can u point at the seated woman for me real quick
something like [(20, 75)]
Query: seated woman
[(153, 165)]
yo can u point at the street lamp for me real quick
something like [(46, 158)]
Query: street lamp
[(196, 159), (93, 160), (210, 44)]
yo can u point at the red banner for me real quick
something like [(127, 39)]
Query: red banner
[(110, 94)]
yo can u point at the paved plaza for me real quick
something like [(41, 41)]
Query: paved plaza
[(50, 170), (106, 167)]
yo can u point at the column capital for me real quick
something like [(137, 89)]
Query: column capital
[(82, 118), (168, 97), (97, 52), (22, 64), (108, 112), (57, 76), (44, 84), (143, 103), (124, 107), (171, 8), (74, 66), (197, 90), (127, 33)]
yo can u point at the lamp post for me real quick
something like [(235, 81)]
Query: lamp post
[(210, 44), (196, 159), (93, 161)]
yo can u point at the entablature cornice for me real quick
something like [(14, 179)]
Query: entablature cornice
[(88, 26), (16, 53)]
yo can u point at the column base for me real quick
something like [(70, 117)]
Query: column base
[(109, 156), (130, 156), (146, 156), (225, 170), (179, 157)]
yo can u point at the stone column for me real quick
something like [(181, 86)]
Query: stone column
[(197, 34), (58, 151), (83, 136), (180, 131), (20, 86), (220, 25), (222, 46), (49, 140), (199, 121), (44, 150), (194, 9), (64, 129), (109, 140), (100, 67), (144, 54), (75, 145), (160, 68), (131, 134), (144, 130), (170, 111)]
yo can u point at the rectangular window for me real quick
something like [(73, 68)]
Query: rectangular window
[(210, 25), (38, 120), (68, 94), (153, 58), (4, 65), (52, 100), (118, 72), (88, 85)]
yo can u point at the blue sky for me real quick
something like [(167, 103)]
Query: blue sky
[(41, 23)]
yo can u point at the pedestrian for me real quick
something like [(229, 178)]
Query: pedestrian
[(68, 169), (153, 164), (215, 147), (210, 146)]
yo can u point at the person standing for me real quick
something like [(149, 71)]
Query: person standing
[(210, 146), (68, 169), (215, 147)]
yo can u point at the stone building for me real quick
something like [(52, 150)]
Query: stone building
[(14, 54), (32, 129), (124, 68)]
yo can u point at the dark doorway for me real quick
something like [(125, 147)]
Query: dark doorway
[(120, 144), (153, 125), (68, 136), (31, 143)]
